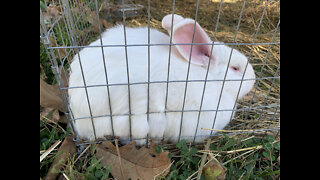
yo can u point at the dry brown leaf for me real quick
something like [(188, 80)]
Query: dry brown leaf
[(105, 23), (42, 72), (54, 11), (50, 96), (55, 117), (51, 13), (92, 19), (66, 150), (143, 163), (63, 119)]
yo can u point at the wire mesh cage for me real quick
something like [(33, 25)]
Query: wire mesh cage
[(252, 27)]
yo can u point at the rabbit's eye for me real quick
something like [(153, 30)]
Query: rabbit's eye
[(235, 68)]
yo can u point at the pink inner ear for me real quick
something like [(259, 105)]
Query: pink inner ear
[(200, 53)]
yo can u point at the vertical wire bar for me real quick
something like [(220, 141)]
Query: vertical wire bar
[(58, 71), (65, 50), (57, 50), (68, 33), (84, 24), (148, 94), (274, 115), (79, 3), (169, 60), (105, 67), (245, 69), (76, 23), (208, 68), (268, 95), (87, 96), (262, 68), (71, 24), (273, 118), (186, 86), (71, 36), (232, 47), (43, 29), (72, 19), (84, 17), (63, 44), (127, 64)]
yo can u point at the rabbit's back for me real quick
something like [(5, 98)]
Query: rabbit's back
[(116, 58)]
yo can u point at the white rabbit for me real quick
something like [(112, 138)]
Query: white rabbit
[(164, 119)]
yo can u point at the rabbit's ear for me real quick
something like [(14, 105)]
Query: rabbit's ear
[(167, 21), (183, 32)]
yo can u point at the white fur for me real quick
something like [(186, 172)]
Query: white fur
[(160, 124)]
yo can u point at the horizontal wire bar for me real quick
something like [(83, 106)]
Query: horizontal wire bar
[(160, 138), (161, 44), (175, 81), (209, 110)]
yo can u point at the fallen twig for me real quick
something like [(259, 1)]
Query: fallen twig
[(203, 159)]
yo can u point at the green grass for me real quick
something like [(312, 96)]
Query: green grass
[(46, 71), (186, 164), (253, 163), (49, 134), (89, 167), (259, 163)]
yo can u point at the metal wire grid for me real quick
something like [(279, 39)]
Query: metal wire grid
[(71, 22)]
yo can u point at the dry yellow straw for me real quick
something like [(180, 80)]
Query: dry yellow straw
[(231, 131), (233, 151), (47, 152)]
